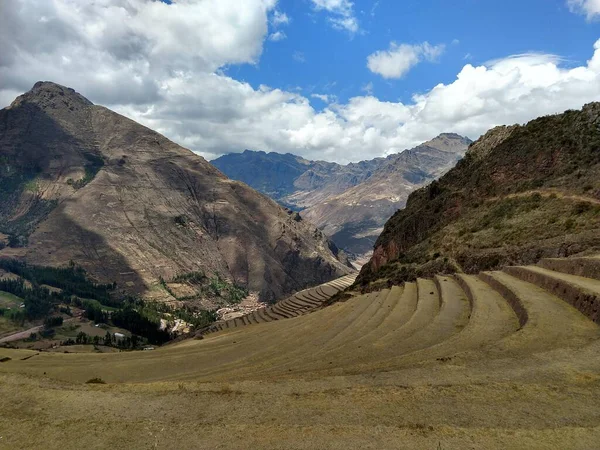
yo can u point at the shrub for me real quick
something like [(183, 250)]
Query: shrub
[(51, 322), (581, 207), (569, 224)]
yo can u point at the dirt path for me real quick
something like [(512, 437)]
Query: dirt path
[(549, 192), (20, 335)]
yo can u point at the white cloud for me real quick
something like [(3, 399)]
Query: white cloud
[(277, 36), (299, 57), (341, 14), (374, 8), (122, 50), (117, 53), (324, 97), (591, 8), (368, 88), (400, 58), (279, 18)]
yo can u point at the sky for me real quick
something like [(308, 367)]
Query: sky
[(334, 80)]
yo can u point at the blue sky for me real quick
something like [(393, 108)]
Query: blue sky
[(336, 80), (473, 31)]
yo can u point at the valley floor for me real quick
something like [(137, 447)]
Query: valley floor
[(496, 362)]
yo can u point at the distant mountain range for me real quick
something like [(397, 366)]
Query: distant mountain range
[(80, 182), (350, 202)]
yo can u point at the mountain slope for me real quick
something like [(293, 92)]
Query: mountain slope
[(272, 174), (355, 218), (83, 183), (350, 203), (520, 194), (292, 180)]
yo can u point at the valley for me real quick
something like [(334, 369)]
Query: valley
[(350, 203), (474, 324), (299, 225)]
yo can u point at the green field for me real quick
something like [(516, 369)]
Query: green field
[(7, 326), (9, 301), (71, 330), (99, 305)]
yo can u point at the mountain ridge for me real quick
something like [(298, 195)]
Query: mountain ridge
[(86, 184), (348, 202), (521, 193)]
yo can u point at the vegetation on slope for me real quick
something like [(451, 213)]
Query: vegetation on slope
[(521, 193), (216, 288), (48, 291)]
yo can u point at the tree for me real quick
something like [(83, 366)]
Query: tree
[(51, 322), (81, 338), (108, 339), (96, 340)]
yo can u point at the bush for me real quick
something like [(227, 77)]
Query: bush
[(581, 207), (52, 322), (569, 224)]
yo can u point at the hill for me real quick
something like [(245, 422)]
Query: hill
[(520, 194), (506, 359), (82, 183), (348, 202)]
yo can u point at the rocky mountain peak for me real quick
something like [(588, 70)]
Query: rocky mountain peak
[(449, 142), (48, 95)]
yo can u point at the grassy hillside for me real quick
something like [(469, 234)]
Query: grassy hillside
[(520, 194)]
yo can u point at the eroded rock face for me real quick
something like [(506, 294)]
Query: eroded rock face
[(83, 183)]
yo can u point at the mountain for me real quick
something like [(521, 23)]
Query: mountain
[(355, 218), (80, 182), (291, 180), (350, 203), (521, 193)]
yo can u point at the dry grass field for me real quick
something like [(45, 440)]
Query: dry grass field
[(503, 360)]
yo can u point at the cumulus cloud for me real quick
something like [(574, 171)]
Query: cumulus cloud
[(400, 58), (591, 8), (341, 14), (324, 97), (120, 53), (299, 57), (277, 36), (279, 18)]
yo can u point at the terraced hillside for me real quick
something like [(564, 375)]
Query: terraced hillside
[(503, 359), (521, 193), (301, 303)]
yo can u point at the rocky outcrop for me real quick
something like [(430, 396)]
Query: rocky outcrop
[(521, 193)]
